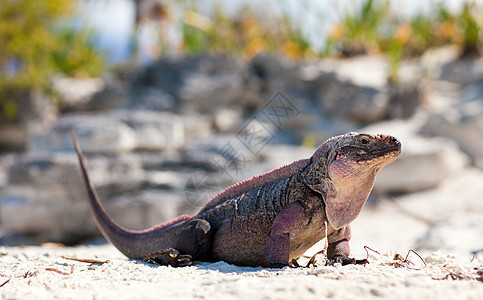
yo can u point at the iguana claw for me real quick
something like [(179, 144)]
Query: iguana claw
[(345, 260), (170, 257)]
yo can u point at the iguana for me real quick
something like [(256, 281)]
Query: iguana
[(270, 219)]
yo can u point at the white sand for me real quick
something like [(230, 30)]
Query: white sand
[(30, 278)]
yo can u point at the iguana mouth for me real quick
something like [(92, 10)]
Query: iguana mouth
[(380, 154)]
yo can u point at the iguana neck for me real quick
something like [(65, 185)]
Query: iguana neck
[(346, 201)]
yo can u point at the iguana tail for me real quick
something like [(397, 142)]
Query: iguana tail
[(133, 244)]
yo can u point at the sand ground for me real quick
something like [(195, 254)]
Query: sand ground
[(44, 273)]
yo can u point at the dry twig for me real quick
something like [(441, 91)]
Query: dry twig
[(367, 252), (405, 262), (86, 260), (61, 272), (1, 285)]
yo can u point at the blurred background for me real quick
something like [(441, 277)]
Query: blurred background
[(173, 101)]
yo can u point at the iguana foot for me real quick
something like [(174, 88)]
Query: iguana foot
[(345, 260), (170, 257)]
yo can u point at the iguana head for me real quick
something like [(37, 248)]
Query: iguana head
[(348, 165), (358, 155)]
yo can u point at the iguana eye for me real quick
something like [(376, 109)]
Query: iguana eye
[(364, 141)]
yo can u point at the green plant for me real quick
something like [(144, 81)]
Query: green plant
[(245, 35), (77, 55), (471, 30), (375, 30), (360, 33), (31, 50)]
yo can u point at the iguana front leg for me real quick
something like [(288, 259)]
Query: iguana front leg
[(338, 250), (278, 245), (294, 217)]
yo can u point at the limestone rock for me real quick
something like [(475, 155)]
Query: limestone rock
[(423, 164), (113, 96), (75, 92), (50, 188), (368, 71), (462, 122), (352, 102), (145, 208), (153, 130), (463, 71), (150, 98), (116, 131), (36, 113), (43, 197), (196, 83), (101, 133)]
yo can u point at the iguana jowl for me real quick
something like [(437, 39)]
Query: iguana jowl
[(270, 219)]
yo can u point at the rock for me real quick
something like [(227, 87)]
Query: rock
[(113, 96), (116, 131), (197, 83), (220, 153), (365, 97), (96, 133), (462, 122), (197, 126), (44, 197), (227, 120), (14, 136), (153, 130), (3, 172), (424, 162), (463, 71), (76, 92), (271, 75), (36, 113), (352, 102), (356, 70), (90, 94), (404, 100), (146, 208), (440, 95), (50, 188), (205, 89), (150, 98), (434, 59)]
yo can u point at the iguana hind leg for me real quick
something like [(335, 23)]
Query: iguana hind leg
[(170, 257), (193, 242), (196, 239)]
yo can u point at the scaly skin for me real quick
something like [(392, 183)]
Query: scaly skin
[(270, 219)]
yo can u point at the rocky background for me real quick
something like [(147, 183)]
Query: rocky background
[(161, 140)]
